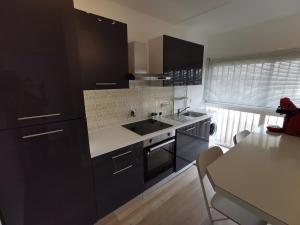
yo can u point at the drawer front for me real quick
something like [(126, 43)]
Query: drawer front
[(119, 176)]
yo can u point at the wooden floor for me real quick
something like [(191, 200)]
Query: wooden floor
[(176, 202)]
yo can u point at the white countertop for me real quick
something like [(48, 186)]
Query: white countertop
[(108, 139), (262, 173)]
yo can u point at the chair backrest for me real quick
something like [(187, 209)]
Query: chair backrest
[(207, 157), (204, 159), (240, 136)]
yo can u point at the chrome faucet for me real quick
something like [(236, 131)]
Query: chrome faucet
[(180, 111)]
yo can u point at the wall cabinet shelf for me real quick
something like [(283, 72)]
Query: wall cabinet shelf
[(103, 51)]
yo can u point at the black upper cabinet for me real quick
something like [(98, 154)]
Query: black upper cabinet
[(180, 54), (103, 51), (40, 79), (47, 175), (183, 61), (179, 59)]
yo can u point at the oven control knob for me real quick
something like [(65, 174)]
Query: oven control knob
[(169, 134), (150, 141)]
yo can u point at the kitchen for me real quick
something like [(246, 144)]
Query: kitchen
[(99, 114)]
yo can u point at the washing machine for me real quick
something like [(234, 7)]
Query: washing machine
[(213, 128)]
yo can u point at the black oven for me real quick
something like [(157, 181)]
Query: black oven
[(159, 156)]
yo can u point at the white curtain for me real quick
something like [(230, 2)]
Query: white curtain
[(254, 81)]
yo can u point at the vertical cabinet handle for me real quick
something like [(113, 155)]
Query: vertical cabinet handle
[(42, 134)]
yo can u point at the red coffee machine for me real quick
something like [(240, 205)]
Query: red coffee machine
[(291, 124)]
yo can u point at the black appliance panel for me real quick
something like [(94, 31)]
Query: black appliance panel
[(159, 161), (190, 141)]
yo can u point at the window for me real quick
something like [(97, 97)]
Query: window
[(255, 81)]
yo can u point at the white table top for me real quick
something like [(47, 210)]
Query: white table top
[(262, 173)]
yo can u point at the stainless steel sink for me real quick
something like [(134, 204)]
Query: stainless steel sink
[(193, 114), (177, 117), (184, 117)]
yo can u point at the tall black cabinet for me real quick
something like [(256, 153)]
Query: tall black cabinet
[(46, 175), (45, 164), (103, 51), (40, 81)]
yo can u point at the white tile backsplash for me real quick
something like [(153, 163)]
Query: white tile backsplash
[(109, 107)]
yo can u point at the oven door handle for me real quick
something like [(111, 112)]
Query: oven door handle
[(161, 145)]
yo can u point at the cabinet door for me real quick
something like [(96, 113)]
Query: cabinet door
[(119, 176), (103, 51), (190, 141), (183, 60), (38, 61), (48, 175), (33, 25)]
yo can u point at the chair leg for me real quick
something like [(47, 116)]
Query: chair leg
[(206, 204)]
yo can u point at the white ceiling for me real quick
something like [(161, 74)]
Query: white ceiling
[(173, 11), (214, 16)]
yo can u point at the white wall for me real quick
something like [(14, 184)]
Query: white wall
[(282, 33)]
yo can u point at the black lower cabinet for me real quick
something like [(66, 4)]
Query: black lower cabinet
[(119, 177), (46, 175), (190, 141)]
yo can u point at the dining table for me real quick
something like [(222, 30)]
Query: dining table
[(262, 174)]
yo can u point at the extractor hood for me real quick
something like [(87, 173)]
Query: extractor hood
[(149, 77), (138, 63)]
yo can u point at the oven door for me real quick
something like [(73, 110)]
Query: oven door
[(159, 160)]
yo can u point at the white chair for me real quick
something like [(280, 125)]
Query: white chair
[(240, 136), (222, 204)]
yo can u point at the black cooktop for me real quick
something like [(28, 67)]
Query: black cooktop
[(146, 126)]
